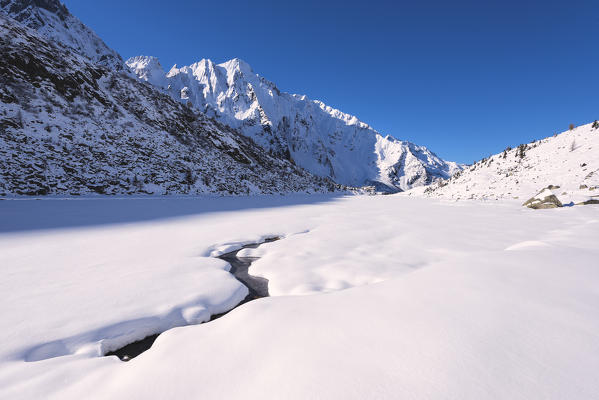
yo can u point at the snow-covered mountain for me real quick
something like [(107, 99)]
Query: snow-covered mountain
[(72, 124), (52, 20), (567, 164), (321, 139)]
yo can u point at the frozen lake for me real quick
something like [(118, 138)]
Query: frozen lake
[(370, 297)]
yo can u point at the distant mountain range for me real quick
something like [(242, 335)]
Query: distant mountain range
[(318, 138), (74, 119)]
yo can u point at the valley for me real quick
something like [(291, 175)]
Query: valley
[(197, 232)]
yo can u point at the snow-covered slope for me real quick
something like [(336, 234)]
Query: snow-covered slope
[(52, 20), (321, 139), (568, 161), (72, 126)]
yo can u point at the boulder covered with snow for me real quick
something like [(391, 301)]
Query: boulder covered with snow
[(544, 199)]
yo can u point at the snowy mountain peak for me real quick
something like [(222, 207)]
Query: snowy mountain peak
[(315, 136), (52, 20), (144, 62), (147, 69), (197, 69), (237, 64)]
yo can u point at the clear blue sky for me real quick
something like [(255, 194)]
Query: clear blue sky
[(465, 78)]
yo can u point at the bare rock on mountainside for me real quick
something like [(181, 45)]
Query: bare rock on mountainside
[(53, 21), (543, 199)]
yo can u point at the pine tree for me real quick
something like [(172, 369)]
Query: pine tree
[(20, 119), (137, 183), (189, 178)]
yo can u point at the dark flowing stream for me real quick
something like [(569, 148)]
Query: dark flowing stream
[(258, 287)]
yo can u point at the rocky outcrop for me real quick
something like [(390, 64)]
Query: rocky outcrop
[(544, 199), (587, 202)]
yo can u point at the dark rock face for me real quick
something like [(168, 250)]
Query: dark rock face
[(69, 125), (587, 202)]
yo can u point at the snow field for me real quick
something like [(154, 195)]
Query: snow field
[(444, 300)]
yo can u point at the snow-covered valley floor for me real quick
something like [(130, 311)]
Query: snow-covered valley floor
[(371, 297)]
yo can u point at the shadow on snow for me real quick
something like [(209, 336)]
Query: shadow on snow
[(18, 215)]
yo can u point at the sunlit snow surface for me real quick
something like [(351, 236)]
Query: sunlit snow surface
[(444, 300)]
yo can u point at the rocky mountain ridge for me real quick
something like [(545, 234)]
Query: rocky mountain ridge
[(319, 138), (53, 21), (296, 132), (74, 125)]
